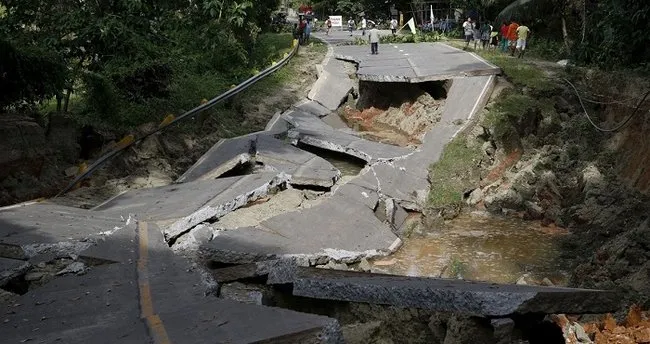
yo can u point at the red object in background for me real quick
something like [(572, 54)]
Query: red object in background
[(305, 9)]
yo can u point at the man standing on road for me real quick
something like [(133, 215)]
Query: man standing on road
[(468, 28), (364, 25), (522, 35), (393, 26), (373, 37), (328, 24), (512, 37), (351, 26)]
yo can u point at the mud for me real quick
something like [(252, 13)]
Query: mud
[(396, 113)]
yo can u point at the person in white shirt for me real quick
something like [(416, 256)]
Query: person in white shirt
[(351, 26), (393, 26), (373, 37), (364, 25)]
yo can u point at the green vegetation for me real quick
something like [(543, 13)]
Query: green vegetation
[(121, 63), (453, 173)]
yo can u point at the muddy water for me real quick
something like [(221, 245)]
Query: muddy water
[(481, 248)]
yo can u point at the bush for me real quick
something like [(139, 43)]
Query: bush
[(28, 75)]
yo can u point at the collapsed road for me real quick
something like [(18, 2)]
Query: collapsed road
[(154, 264)]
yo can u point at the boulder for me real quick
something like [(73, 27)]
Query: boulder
[(533, 211), (475, 197), (591, 178), (503, 199)]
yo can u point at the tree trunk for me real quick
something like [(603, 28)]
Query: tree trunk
[(59, 99), (565, 34), (67, 99)]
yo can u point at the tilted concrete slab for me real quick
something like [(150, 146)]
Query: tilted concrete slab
[(200, 200), (312, 131), (30, 230), (331, 90), (414, 62), (223, 157), (337, 229), (178, 292), (304, 168), (457, 296), (313, 108)]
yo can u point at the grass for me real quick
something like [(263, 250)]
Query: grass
[(453, 173)]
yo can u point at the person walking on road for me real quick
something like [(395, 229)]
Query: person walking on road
[(522, 35), (307, 30), (328, 24), (512, 37), (373, 37), (351, 26), (364, 25), (393, 26), (468, 29)]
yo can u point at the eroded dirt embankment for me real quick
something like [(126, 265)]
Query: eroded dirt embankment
[(536, 156), (42, 159)]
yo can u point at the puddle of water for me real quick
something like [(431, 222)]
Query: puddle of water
[(480, 248), (348, 165)]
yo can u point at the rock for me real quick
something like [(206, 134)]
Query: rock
[(533, 211), (502, 330), (34, 276), (244, 293), (475, 197), (503, 199), (591, 178), (488, 148), (332, 265), (388, 262), (547, 282), (563, 63), (364, 265), (71, 171), (361, 333), (78, 268), (468, 330), (523, 280)]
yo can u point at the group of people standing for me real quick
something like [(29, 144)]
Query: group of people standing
[(302, 30), (511, 38)]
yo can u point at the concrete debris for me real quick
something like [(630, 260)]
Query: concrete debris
[(364, 265), (77, 268), (11, 268), (473, 298), (502, 329), (244, 293)]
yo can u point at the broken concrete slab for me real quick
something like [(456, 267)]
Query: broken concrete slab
[(40, 228), (178, 291), (305, 168), (331, 90), (313, 108), (223, 157), (457, 296), (11, 268), (202, 200), (411, 62), (244, 293), (276, 125), (311, 234), (312, 131)]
